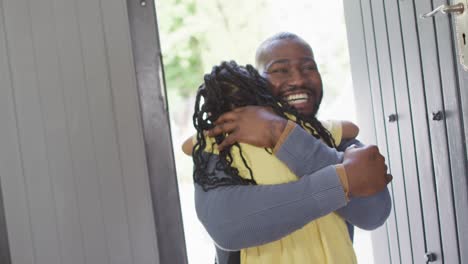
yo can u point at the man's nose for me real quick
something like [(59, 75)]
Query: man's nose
[(296, 78)]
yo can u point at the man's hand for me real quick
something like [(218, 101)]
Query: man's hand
[(366, 171), (253, 125)]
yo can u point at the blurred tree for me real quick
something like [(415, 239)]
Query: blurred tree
[(197, 34), (182, 44)]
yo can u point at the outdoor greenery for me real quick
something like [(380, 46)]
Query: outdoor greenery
[(182, 44), (198, 34)]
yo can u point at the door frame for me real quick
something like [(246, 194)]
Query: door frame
[(156, 131)]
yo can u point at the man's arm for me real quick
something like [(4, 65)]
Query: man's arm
[(238, 216), (367, 213), (364, 212), (243, 216)]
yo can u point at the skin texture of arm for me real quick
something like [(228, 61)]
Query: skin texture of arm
[(349, 130), (187, 147)]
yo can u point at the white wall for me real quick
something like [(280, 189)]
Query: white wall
[(72, 161)]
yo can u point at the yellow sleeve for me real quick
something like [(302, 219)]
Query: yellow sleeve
[(335, 128), (211, 145)]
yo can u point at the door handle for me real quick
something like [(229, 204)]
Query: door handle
[(461, 27), (445, 9), (439, 115)]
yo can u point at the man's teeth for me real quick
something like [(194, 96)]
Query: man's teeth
[(297, 98)]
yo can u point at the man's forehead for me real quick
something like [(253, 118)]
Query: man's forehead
[(287, 60), (280, 45), (285, 51)]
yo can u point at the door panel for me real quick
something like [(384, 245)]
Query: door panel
[(409, 182), (421, 129), (433, 84), (73, 170), (456, 105), (363, 98), (375, 82), (412, 73), (388, 102)]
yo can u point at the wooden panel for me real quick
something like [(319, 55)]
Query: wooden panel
[(361, 85), (454, 130), (419, 55), (462, 211), (72, 157), (29, 109), (409, 188), (99, 96), (359, 69), (156, 130), (19, 244), (50, 86), (393, 140), (381, 133), (434, 103), (420, 125), (130, 133), (4, 245), (84, 166)]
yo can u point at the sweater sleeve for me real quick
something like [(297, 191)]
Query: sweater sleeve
[(366, 212), (304, 154), (300, 154), (243, 216), (238, 217)]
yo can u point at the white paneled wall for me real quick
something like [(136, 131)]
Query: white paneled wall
[(73, 169)]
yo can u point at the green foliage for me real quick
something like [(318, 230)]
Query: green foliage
[(182, 44), (197, 34)]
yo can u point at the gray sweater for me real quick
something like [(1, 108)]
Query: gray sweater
[(239, 217)]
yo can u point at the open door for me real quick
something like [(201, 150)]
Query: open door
[(86, 166), (405, 74)]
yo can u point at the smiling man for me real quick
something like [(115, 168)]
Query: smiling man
[(351, 184), (288, 63)]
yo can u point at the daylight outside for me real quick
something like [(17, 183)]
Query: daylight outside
[(195, 35)]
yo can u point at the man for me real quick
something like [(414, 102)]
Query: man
[(352, 184)]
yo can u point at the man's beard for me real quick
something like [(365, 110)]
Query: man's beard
[(316, 107)]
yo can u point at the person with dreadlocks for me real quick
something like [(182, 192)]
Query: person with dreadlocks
[(229, 86), (351, 185)]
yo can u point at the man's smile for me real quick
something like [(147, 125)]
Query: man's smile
[(299, 98)]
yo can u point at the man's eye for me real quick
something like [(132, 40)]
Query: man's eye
[(309, 68), (279, 70)]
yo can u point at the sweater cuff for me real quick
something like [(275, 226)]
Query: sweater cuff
[(287, 130), (340, 170), (332, 197)]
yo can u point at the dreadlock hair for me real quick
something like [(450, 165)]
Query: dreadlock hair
[(229, 86)]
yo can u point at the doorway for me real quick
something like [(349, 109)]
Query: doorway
[(196, 35)]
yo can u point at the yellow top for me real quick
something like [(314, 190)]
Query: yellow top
[(324, 240)]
